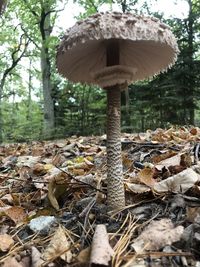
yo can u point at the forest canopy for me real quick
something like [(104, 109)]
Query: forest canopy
[(37, 103)]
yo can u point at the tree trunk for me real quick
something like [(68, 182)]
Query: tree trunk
[(29, 115), (49, 121), (191, 83), (45, 29), (2, 83), (1, 117)]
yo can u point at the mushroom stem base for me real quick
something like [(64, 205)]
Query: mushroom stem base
[(115, 188)]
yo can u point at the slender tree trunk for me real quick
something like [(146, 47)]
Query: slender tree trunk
[(1, 117), (191, 83), (45, 29), (1, 109), (29, 92), (49, 121)]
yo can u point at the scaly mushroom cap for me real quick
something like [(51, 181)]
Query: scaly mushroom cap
[(146, 48)]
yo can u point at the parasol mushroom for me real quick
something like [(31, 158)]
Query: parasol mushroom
[(112, 50)]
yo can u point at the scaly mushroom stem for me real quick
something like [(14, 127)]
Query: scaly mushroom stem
[(115, 187)]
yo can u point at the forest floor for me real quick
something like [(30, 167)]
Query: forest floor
[(53, 202)]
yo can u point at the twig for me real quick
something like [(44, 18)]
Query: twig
[(58, 255), (196, 153), (77, 180), (85, 213)]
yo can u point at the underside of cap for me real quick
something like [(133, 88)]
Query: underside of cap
[(146, 48)]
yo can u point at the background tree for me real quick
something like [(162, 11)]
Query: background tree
[(38, 19)]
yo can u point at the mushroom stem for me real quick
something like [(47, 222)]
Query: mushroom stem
[(115, 187)]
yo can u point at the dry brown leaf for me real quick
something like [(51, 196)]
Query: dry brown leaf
[(36, 257), (11, 262), (28, 161), (177, 139), (82, 165), (146, 176), (6, 242), (88, 162), (56, 188), (78, 172), (195, 131), (84, 255), (58, 160), (164, 156), (58, 244), (137, 188), (127, 162), (2, 204), (163, 230), (172, 161), (192, 213), (186, 160), (7, 198), (16, 214), (38, 169), (178, 183)]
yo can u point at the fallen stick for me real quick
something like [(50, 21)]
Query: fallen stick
[(101, 251)]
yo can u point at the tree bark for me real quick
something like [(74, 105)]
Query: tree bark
[(49, 121), (1, 115), (45, 29), (191, 62)]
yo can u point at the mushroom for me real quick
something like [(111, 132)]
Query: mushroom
[(112, 50)]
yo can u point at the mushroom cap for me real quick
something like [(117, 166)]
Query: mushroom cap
[(146, 48)]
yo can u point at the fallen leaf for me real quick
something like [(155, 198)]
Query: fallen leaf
[(163, 156), (84, 255), (16, 214), (178, 183), (195, 131), (58, 244), (146, 176), (48, 167), (28, 161), (172, 161), (192, 213), (186, 160), (36, 257), (6, 242), (11, 262), (137, 188), (38, 169), (56, 188), (163, 230)]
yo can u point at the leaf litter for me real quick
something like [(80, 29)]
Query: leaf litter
[(53, 202)]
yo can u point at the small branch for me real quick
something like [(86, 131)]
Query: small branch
[(81, 182), (28, 36), (101, 251), (31, 10)]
